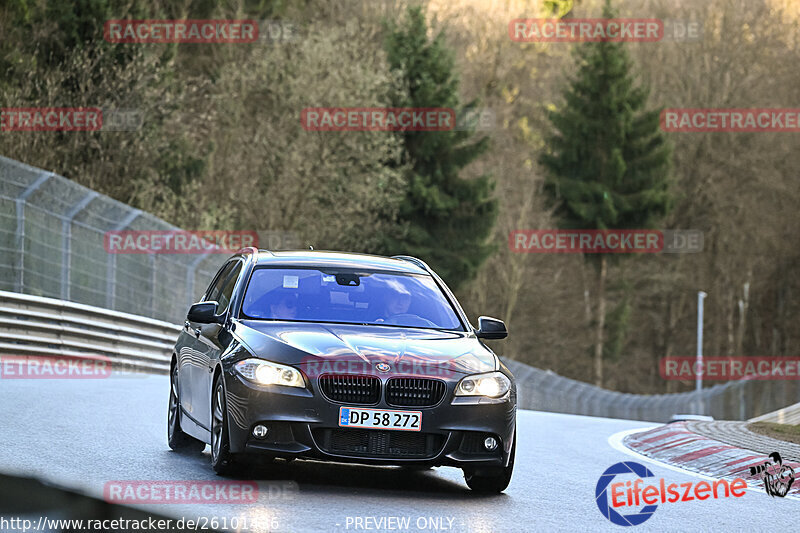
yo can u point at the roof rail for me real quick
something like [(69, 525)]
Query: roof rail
[(249, 250), (411, 259)]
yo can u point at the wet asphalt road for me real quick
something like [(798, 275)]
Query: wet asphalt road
[(85, 433)]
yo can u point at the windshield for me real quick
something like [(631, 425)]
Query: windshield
[(349, 296)]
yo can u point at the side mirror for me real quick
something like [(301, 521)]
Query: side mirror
[(491, 328), (203, 313)]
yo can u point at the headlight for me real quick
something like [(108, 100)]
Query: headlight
[(267, 373), (492, 385)]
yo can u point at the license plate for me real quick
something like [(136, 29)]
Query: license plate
[(356, 417)]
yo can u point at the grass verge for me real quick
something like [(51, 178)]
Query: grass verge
[(787, 432)]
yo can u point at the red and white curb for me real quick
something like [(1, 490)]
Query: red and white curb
[(675, 445)]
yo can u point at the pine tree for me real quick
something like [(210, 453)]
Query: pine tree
[(447, 219), (607, 162)]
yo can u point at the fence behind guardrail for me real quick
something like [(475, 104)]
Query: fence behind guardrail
[(51, 244)]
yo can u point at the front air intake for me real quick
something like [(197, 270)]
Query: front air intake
[(358, 390)]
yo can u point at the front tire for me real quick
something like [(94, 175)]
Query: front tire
[(221, 457), (176, 438), (493, 483)]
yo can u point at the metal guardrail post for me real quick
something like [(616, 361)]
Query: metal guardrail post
[(699, 379), (66, 242), (20, 233), (111, 266), (595, 397), (569, 400), (627, 401)]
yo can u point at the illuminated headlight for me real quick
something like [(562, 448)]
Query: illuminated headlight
[(267, 373), (492, 385)]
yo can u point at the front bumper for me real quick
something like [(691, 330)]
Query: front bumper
[(303, 423)]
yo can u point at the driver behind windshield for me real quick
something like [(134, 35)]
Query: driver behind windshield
[(284, 307), (397, 302)]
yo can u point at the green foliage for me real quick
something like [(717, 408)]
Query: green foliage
[(447, 219), (557, 8), (178, 167), (337, 190), (607, 166), (608, 163)]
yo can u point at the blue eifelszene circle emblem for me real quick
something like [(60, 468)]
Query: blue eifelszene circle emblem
[(602, 498)]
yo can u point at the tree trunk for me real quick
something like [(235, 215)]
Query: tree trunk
[(731, 309), (587, 301), (601, 321), (670, 326), (744, 303)]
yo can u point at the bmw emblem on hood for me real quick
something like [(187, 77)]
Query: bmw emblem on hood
[(383, 367)]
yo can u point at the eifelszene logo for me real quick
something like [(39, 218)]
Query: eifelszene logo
[(777, 477), (633, 493)]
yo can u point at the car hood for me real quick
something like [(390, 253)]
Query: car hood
[(357, 349)]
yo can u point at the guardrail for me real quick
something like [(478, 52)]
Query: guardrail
[(545, 390), (34, 325), (39, 326), (787, 415)]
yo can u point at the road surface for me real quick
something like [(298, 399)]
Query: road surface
[(85, 433)]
